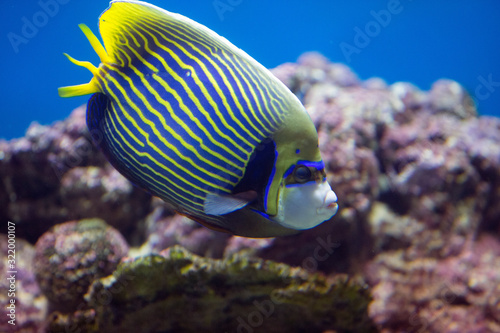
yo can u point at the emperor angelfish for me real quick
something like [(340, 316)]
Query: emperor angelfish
[(194, 120)]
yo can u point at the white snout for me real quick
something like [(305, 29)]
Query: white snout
[(308, 205), (329, 204)]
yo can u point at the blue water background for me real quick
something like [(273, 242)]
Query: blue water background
[(420, 42)]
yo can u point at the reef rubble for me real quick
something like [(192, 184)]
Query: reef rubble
[(417, 174)]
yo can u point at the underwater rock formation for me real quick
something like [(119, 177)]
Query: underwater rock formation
[(55, 174), (417, 174), (180, 292), (422, 294), (71, 255), (164, 230), (22, 302)]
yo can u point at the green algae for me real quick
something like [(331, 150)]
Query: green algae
[(182, 292)]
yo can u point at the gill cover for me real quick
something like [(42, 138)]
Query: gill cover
[(296, 141)]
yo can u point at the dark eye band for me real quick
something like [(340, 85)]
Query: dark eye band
[(302, 174)]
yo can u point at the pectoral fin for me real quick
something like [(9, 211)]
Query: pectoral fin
[(217, 204)]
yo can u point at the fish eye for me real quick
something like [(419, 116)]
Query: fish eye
[(302, 174)]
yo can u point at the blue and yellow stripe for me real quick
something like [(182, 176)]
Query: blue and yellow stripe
[(180, 109)]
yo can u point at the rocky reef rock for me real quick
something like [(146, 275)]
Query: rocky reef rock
[(417, 174), (164, 230), (55, 174), (24, 307), (421, 294), (71, 255), (180, 292)]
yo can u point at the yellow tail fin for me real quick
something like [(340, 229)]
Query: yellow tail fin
[(92, 86)]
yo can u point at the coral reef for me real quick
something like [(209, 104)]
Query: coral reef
[(180, 292), (417, 174), (71, 255)]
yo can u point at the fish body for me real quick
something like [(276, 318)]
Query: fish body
[(194, 120)]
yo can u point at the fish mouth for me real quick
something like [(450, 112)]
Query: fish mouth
[(329, 204)]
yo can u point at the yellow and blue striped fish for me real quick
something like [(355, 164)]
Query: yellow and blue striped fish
[(194, 120)]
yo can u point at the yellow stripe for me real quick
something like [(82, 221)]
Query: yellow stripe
[(214, 84), (271, 111), (277, 90), (150, 184), (267, 85), (146, 136), (175, 135), (185, 109), (208, 40), (187, 129), (255, 98), (108, 91), (227, 84), (209, 135), (151, 109), (137, 55), (196, 101)]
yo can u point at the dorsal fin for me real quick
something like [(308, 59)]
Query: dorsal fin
[(116, 25), (92, 86), (126, 25)]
